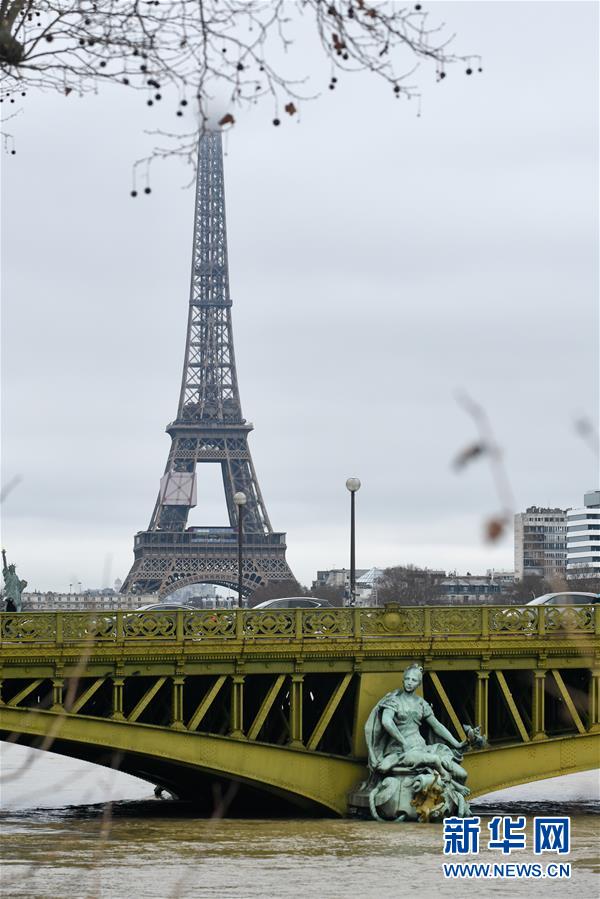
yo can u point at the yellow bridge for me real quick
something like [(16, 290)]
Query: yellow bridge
[(267, 709)]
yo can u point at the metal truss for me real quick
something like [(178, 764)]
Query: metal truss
[(209, 426)]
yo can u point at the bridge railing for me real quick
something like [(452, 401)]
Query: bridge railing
[(363, 624)]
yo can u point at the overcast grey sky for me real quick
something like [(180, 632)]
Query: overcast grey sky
[(379, 261)]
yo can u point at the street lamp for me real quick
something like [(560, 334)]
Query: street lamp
[(240, 501), (353, 484)]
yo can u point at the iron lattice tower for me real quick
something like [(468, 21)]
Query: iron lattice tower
[(209, 428)]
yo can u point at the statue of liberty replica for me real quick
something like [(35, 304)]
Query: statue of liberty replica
[(13, 586)]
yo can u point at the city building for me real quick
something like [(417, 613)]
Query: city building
[(541, 543), (336, 578), (88, 600), (476, 588), (107, 600), (583, 538), (366, 587)]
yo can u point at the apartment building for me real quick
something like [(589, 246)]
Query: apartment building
[(476, 588), (541, 542)]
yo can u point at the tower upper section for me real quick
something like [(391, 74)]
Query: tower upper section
[(210, 276), (209, 390)]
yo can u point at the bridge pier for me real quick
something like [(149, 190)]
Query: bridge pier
[(296, 736), (237, 707), (117, 699), (177, 702), (482, 689), (538, 706), (594, 701), (57, 694)]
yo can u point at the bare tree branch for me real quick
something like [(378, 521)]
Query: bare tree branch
[(210, 58)]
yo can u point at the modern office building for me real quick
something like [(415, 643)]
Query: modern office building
[(583, 537), (541, 543)]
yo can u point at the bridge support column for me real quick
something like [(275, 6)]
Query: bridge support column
[(594, 699), (481, 701), (177, 702), (117, 699), (237, 707), (296, 711), (538, 706), (57, 694)]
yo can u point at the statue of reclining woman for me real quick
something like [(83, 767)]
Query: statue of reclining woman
[(411, 777)]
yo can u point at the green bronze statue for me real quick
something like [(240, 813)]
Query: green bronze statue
[(13, 586), (411, 777)]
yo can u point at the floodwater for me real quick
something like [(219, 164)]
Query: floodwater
[(62, 838)]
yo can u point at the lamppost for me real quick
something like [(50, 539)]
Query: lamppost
[(353, 484), (240, 501)]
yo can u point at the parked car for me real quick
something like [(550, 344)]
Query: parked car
[(165, 607), (294, 602), (565, 599)]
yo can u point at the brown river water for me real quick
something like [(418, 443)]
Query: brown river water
[(60, 839)]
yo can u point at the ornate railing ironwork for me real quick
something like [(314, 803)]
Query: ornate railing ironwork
[(363, 624)]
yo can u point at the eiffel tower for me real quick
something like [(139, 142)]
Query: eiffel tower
[(209, 428)]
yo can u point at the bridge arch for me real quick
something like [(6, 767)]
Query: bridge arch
[(315, 784), (514, 764)]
